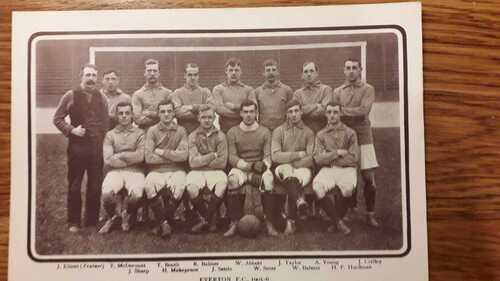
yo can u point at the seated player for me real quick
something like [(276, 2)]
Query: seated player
[(292, 148), (166, 151), (207, 159), (249, 146), (336, 151), (123, 152), (187, 100)]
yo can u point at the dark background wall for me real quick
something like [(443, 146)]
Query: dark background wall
[(59, 62)]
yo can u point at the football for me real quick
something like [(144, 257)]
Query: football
[(249, 226)]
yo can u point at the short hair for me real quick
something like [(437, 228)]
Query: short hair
[(270, 62), (353, 60), (152, 61), (316, 67), (190, 65), (232, 62), (166, 101), (123, 104), (205, 107), (248, 102), (88, 65), (332, 104), (293, 102), (109, 71)]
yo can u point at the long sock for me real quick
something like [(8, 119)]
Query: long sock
[(293, 188), (328, 205), (370, 193)]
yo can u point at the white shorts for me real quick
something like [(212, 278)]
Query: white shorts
[(284, 171), (368, 157), (327, 178), (199, 179), (174, 181), (130, 179), (242, 177)]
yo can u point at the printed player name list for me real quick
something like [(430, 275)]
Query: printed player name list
[(231, 268)]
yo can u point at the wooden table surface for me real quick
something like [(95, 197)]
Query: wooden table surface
[(462, 120)]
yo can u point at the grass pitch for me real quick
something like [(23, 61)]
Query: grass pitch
[(52, 237)]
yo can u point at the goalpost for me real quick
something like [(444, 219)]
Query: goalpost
[(386, 113), (94, 51)]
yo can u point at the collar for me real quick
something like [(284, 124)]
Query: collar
[(190, 88), (313, 85), (148, 87), (340, 126), (210, 132), (246, 128), (267, 85), (227, 84), (120, 129), (289, 125), (170, 127), (109, 94), (356, 84)]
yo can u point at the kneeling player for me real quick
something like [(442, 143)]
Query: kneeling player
[(207, 159), (249, 146), (337, 152), (166, 150), (123, 151), (292, 147)]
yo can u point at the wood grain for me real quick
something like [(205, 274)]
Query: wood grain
[(462, 115)]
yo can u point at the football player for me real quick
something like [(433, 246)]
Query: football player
[(188, 98), (228, 96), (313, 97), (146, 99), (207, 159), (123, 151), (113, 94), (272, 97), (249, 147), (356, 99), (166, 150), (336, 151), (292, 149)]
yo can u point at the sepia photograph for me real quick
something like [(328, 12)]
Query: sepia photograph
[(218, 144), (223, 142)]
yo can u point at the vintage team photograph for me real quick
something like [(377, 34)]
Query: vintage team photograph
[(218, 142)]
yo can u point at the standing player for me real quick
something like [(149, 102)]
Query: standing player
[(292, 148), (272, 97), (123, 152), (88, 111), (188, 98), (356, 99), (146, 99), (114, 95), (207, 159), (249, 147), (337, 153), (165, 153), (313, 97), (228, 96)]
